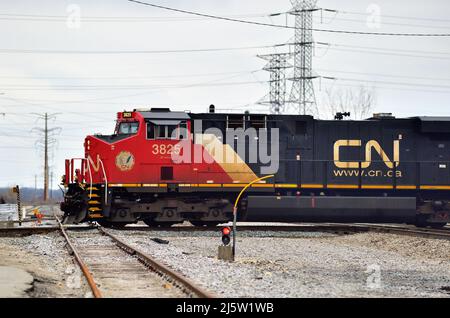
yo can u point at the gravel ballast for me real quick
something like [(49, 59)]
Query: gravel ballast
[(47, 259), (269, 264)]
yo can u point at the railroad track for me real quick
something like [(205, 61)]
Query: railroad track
[(443, 233), (289, 227), (337, 228), (113, 268)]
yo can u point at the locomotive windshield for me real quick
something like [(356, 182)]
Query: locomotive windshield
[(128, 128)]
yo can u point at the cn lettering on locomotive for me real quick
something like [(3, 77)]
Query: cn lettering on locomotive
[(371, 144)]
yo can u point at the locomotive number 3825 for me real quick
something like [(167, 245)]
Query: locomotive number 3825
[(163, 149)]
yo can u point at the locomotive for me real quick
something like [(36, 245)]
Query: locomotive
[(164, 167)]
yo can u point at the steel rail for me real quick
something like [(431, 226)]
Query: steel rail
[(87, 274), (259, 227), (443, 233), (245, 228), (158, 267), (402, 230)]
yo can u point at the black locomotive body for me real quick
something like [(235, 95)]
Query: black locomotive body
[(382, 169)]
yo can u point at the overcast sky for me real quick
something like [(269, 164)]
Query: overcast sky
[(409, 75)]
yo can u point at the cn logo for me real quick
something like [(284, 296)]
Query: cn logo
[(370, 145)]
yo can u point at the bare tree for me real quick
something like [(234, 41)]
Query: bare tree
[(359, 102)]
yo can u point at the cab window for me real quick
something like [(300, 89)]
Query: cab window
[(183, 133), (128, 128), (174, 132)]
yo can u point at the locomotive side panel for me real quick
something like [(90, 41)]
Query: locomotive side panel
[(434, 156), (372, 154)]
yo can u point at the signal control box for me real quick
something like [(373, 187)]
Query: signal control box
[(226, 253)]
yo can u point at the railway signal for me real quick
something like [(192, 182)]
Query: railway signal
[(225, 250), (226, 231)]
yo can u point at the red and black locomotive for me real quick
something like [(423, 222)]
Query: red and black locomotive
[(165, 167)]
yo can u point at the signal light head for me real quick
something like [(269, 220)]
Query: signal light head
[(226, 235), (226, 231)]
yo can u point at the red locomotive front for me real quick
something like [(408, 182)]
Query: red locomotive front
[(149, 152)]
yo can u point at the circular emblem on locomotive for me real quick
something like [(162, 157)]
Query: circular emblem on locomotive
[(125, 161)]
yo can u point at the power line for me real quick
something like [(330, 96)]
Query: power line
[(336, 83), (30, 147), (388, 53), (392, 83), (136, 87), (203, 50), (95, 100), (367, 14), (34, 51), (182, 18), (290, 27), (384, 51), (130, 77), (59, 18), (212, 16), (395, 16), (394, 23), (388, 75), (91, 100)]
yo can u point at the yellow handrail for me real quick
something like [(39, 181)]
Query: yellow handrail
[(235, 209)]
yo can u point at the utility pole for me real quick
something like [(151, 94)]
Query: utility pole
[(35, 187), (302, 99), (45, 157), (46, 141), (51, 185), (276, 66)]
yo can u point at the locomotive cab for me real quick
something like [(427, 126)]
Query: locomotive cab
[(165, 132), (143, 146)]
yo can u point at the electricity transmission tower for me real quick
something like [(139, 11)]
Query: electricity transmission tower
[(302, 99), (45, 141), (276, 66)]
